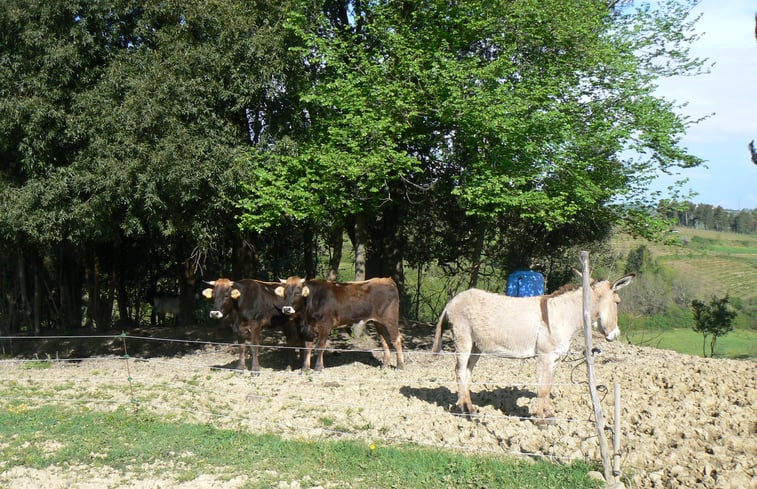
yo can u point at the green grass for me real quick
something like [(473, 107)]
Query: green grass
[(132, 442), (739, 343)]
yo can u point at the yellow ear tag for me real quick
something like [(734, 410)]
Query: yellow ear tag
[(305, 291), (207, 293), (279, 291), (235, 294)]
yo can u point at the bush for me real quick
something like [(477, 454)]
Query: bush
[(714, 319)]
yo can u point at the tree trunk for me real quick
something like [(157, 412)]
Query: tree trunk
[(245, 262), (478, 249), (122, 297), (26, 310), (360, 248), (100, 298), (69, 289), (335, 243), (186, 292), (37, 302), (309, 252)]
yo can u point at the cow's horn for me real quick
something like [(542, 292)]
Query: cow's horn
[(282, 280), (210, 282)]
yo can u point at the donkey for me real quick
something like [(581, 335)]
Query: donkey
[(524, 327)]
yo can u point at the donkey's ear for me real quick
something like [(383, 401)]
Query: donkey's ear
[(623, 281)]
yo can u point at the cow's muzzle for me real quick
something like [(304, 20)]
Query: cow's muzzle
[(216, 314), (288, 310)]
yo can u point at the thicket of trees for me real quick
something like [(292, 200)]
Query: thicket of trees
[(148, 145), (705, 216)]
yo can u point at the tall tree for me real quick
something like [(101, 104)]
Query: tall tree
[(122, 123), (529, 109)]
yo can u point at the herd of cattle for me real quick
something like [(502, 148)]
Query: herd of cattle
[(482, 322), (307, 310)]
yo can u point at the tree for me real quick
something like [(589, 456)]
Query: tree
[(639, 260), (121, 124), (745, 222), (527, 109), (714, 319)]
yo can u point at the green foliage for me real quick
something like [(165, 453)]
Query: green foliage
[(142, 443), (526, 110), (714, 319), (220, 135), (639, 260)]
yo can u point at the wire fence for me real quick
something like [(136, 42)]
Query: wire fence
[(338, 403)]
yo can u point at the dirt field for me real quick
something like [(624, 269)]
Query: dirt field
[(686, 421)]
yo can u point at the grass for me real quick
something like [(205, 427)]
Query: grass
[(739, 343), (136, 442)]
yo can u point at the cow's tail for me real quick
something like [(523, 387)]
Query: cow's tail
[(437, 348)]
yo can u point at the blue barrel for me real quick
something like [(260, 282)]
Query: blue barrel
[(525, 283)]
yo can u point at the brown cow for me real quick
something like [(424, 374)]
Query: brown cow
[(251, 305), (323, 305)]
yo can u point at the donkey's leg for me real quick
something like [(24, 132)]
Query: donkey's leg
[(466, 360), (545, 373)]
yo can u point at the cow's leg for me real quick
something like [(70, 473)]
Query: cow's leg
[(242, 352), (290, 332), (255, 328), (384, 338), (545, 373), (323, 337), (397, 342), (306, 356)]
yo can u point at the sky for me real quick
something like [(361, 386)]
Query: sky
[(729, 92)]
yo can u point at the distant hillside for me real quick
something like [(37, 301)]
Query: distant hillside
[(712, 262)]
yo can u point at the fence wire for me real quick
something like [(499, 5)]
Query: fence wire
[(137, 388)]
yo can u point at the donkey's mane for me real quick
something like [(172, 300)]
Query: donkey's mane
[(564, 289)]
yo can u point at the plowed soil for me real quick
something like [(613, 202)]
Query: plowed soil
[(685, 421)]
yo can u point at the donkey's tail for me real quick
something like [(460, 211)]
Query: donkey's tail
[(437, 348)]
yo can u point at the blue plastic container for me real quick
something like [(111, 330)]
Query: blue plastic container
[(525, 283)]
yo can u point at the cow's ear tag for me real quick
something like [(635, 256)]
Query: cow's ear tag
[(207, 293), (235, 294), (279, 291), (305, 291)]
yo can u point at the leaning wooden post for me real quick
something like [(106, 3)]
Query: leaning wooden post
[(603, 450), (616, 434)]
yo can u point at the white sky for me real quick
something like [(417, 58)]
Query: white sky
[(730, 92)]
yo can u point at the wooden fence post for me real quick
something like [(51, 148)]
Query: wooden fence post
[(600, 422), (616, 434)]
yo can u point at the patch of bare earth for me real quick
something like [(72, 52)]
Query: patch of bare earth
[(686, 421)]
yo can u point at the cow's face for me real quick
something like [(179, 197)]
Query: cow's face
[(223, 294), (294, 291), (606, 300)]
